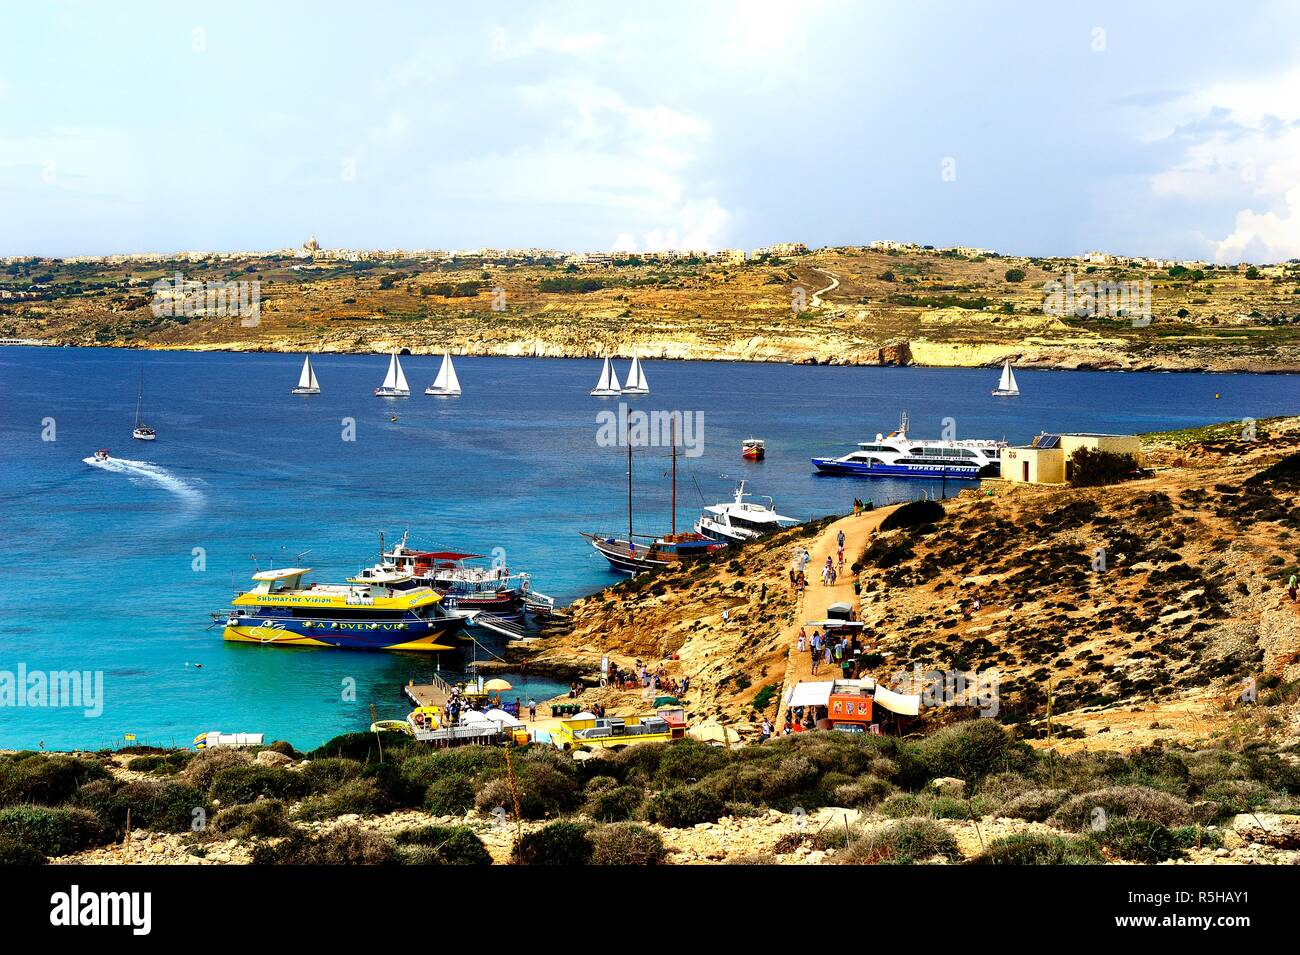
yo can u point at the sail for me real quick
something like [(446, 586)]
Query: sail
[(603, 384), (307, 379), (613, 375), (637, 376), (311, 369), (390, 379), (1007, 382), (452, 383), (401, 375), (139, 399)]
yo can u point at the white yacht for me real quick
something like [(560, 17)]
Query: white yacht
[(608, 385), (307, 383), (394, 385), (141, 431), (897, 455), (1007, 387), (446, 385), (739, 520), (635, 383)]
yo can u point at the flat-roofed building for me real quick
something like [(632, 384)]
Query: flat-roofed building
[(1046, 460)]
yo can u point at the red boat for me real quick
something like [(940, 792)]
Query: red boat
[(752, 449)]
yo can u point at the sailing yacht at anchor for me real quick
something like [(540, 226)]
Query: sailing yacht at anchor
[(1007, 387), (446, 385), (307, 383), (635, 383), (608, 385), (394, 385), (142, 432)]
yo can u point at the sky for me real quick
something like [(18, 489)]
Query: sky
[(1161, 129)]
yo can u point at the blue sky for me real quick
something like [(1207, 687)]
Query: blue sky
[(1169, 129)]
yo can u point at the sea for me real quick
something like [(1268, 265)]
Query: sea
[(113, 570)]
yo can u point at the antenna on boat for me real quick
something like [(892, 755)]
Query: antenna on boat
[(297, 559)]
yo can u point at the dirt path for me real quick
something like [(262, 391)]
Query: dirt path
[(817, 597), (817, 295)]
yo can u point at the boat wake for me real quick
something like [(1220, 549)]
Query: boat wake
[(145, 471)]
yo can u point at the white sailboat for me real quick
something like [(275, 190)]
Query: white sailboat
[(1007, 387), (307, 383), (608, 384), (142, 432), (446, 385), (394, 385), (635, 383)]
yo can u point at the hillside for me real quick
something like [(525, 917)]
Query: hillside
[(1157, 645), (920, 307)]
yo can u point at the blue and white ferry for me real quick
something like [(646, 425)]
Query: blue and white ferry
[(899, 456)]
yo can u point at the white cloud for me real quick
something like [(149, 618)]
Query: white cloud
[(1243, 146), (544, 38)]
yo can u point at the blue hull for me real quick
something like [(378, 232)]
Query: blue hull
[(853, 469)]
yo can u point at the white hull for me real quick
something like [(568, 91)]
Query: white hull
[(441, 392), (635, 391), (1006, 392), (141, 436), (391, 393), (605, 392), (306, 391)]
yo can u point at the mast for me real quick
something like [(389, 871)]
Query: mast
[(139, 397), (629, 493), (674, 420)]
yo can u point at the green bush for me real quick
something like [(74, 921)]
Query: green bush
[(52, 832), (904, 805), (364, 747), (442, 845), (913, 514), (613, 805), (1238, 795), (346, 845), (626, 843), (903, 842), (266, 817), (1137, 840), (543, 792), (449, 796), (557, 843), (1131, 802), (866, 790), (1090, 467), (688, 761), (685, 806), (322, 775), (362, 797), (1036, 849), (203, 768), (972, 750), (240, 784), (49, 780), (165, 764), (1037, 805), (163, 806), (472, 762), (1192, 837), (18, 853)]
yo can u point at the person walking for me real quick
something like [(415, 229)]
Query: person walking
[(1291, 587), (839, 538)]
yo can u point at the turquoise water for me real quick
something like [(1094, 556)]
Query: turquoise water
[(98, 566)]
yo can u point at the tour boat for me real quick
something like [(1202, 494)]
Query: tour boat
[(626, 555), (381, 612), (1007, 387), (394, 385), (446, 385), (635, 383), (739, 520), (471, 586), (753, 449), (608, 385), (897, 455), (142, 432), (307, 383)]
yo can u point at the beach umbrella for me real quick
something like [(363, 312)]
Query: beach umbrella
[(497, 684), (667, 701)]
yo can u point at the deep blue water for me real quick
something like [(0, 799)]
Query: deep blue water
[(97, 565)]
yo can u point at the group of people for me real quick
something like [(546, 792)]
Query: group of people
[(860, 506), (642, 676), (832, 649)]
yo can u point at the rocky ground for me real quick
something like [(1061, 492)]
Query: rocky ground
[(921, 307)]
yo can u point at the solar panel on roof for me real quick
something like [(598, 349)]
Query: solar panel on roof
[(1047, 441)]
